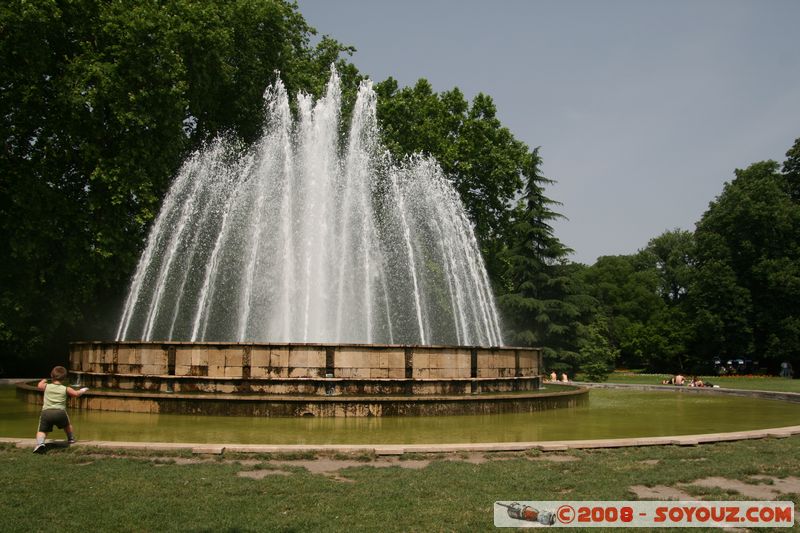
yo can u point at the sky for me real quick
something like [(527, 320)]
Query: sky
[(642, 109)]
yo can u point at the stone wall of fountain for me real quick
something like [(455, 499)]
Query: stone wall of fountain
[(307, 379)]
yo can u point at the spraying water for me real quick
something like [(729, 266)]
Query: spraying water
[(309, 238)]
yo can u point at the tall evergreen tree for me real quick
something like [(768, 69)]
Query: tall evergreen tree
[(544, 305)]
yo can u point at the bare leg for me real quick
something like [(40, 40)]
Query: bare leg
[(40, 447)]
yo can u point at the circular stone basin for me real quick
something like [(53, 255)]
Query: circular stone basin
[(607, 414), (307, 379)]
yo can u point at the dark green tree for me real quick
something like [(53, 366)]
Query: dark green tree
[(597, 356), (545, 305), (101, 102), (746, 297), (791, 171)]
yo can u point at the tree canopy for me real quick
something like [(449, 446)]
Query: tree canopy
[(101, 102)]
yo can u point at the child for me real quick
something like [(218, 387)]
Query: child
[(54, 407)]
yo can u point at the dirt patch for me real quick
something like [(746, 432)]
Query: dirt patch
[(660, 492), (556, 458), (761, 491), (472, 458), (261, 474), (324, 465), (650, 462)]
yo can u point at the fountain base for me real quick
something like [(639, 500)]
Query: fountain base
[(344, 380)]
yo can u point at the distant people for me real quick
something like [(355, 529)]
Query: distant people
[(670, 381), (553, 376), (696, 382), (786, 370), (678, 379), (564, 378), (54, 407)]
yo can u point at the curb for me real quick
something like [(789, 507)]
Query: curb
[(401, 449)]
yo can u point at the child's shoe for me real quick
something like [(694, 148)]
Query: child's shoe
[(72, 440), (40, 448)]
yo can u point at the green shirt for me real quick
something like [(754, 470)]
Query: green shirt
[(55, 396)]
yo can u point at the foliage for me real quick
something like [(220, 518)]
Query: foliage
[(544, 305), (101, 102), (597, 356), (746, 296)]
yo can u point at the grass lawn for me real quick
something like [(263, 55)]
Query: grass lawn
[(768, 383), (92, 490)]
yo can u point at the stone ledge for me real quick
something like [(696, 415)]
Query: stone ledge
[(399, 449)]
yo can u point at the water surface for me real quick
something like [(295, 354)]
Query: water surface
[(607, 414)]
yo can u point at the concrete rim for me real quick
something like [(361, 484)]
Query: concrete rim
[(545, 446)]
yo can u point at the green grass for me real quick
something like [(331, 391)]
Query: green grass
[(73, 489), (767, 383)]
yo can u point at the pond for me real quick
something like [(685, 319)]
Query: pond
[(607, 414)]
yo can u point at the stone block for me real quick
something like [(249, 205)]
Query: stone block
[(397, 359), (233, 371), (379, 373), (259, 357), (316, 359), (298, 359), (259, 371), (123, 356), (233, 358), (298, 372), (397, 373), (183, 370), (152, 370), (373, 359), (279, 357), (462, 373), (153, 356), (343, 359), (360, 373), (216, 371), (421, 360), (199, 357), (216, 357)]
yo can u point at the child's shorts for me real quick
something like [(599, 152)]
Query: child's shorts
[(51, 417)]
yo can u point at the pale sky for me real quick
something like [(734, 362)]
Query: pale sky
[(642, 109)]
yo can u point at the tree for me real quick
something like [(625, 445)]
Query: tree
[(746, 297), (597, 356), (626, 291), (101, 102), (791, 171), (544, 304)]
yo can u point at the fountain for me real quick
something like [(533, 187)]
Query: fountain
[(310, 274), (306, 239)]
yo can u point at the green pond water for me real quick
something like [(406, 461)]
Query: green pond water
[(606, 414)]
